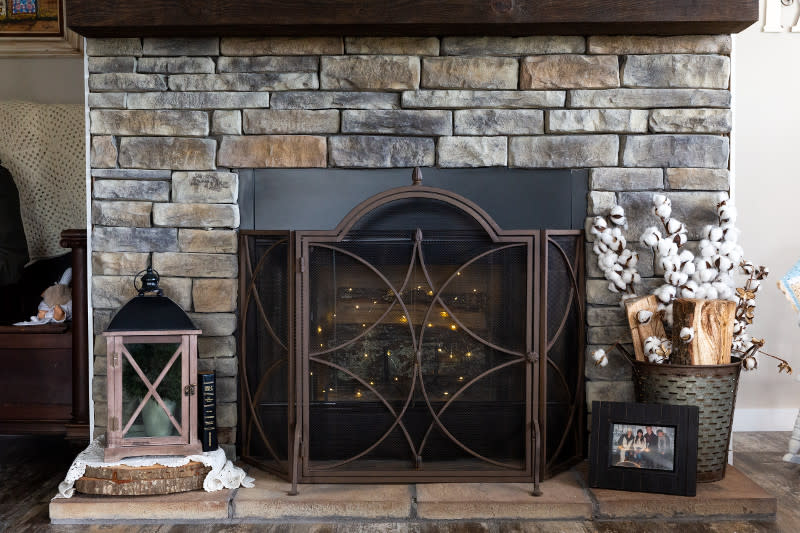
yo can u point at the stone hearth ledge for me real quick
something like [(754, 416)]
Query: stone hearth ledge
[(565, 498)]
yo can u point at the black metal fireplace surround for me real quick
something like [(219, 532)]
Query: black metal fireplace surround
[(435, 333)]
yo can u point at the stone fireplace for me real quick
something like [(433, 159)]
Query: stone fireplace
[(178, 123)]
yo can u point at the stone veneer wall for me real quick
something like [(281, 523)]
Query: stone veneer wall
[(171, 120)]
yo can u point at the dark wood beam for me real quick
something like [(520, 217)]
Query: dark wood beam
[(151, 18)]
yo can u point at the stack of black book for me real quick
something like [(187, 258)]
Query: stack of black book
[(208, 410)]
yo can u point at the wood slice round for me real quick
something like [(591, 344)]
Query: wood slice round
[(142, 480)]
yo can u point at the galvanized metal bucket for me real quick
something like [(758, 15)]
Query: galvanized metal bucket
[(712, 388)]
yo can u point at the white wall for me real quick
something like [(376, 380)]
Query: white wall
[(767, 189), (48, 80)]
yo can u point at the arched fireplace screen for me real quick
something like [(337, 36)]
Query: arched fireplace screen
[(417, 341)]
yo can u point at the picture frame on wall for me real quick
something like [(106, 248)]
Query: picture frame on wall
[(644, 447), (36, 28), (31, 18)]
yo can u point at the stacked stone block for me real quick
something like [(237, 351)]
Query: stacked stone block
[(173, 119)]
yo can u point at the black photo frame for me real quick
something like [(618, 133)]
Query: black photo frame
[(667, 465)]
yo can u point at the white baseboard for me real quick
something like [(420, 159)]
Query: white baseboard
[(764, 419)]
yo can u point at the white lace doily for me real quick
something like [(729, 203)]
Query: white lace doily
[(224, 474)]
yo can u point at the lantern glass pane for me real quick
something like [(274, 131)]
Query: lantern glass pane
[(152, 420)]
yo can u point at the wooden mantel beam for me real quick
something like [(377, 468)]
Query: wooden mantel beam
[(176, 18)]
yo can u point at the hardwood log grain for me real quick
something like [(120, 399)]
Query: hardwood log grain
[(639, 331), (144, 480), (173, 18), (712, 325)]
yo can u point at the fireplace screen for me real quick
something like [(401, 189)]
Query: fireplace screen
[(417, 341)]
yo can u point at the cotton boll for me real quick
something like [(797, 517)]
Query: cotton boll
[(671, 278), (651, 344), (636, 277), (612, 276), (599, 225), (726, 247), (627, 277), (668, 263), (736, 255), (680, 239), (617, 216), (644, 316), (663, 210), (747, 267), (686, 256), (723, 291), (726, 279), (711, 293), (727, 214), (655, 358), (676, 278), (750, 363), (621, 285), (708, 251), (600, 358), (674, 226), (688, 269), (666, 248), (665, 293), (612, 287), (700, 291), (600, 248), (607, 260), (650, 237), (708, 275), (722, 263), (628, 258), (714, 234), (689, 289)]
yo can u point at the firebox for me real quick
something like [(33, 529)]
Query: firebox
[(418, 339)]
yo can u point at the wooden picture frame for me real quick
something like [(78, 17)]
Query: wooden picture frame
[(666, 464), (30, 42)]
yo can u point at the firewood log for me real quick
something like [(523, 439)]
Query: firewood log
[(641, 330), (711, 325)]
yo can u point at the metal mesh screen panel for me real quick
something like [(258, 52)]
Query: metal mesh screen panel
[(264, 357), (565, 428)]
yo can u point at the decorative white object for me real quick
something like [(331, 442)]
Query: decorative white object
[(774, 15), (47, 313), (794, 443), (224, 474)]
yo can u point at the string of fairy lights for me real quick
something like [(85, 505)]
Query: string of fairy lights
[(454, 354)]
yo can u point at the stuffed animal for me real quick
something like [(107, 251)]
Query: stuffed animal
[(56, 304)]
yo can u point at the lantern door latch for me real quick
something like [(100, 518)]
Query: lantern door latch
[(189, 390)]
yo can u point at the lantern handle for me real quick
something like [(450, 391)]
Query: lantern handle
[(148, 282)]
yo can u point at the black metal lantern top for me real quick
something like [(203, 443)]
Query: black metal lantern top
[(150, 310)]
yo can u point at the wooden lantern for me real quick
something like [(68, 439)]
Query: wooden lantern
[(152, 369)]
